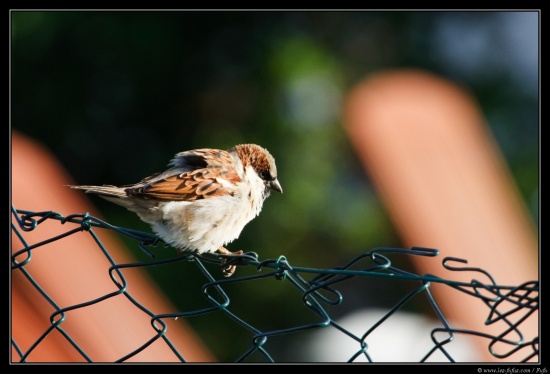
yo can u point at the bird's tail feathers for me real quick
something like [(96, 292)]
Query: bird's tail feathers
[(103, 191)]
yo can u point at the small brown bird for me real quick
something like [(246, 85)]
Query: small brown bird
[(205, 198)]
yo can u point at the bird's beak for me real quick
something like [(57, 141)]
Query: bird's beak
[(276, 186)]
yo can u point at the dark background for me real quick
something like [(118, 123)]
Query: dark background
[(115, 94)]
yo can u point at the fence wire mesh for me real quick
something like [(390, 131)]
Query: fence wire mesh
[(318, 290)]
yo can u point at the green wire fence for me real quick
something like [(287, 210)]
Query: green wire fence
[(317, 289)]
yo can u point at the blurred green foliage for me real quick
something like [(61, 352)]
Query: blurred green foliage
[(115, 94)]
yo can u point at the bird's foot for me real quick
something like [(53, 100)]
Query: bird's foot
[(228, 270)]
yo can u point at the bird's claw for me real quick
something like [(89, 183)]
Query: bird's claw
[(228, 270)]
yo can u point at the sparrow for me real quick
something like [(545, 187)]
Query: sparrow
[(203, 200)]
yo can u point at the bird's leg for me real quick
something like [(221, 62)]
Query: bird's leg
[(229, 269)]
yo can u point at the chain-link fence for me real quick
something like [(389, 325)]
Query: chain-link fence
[(317, 290)]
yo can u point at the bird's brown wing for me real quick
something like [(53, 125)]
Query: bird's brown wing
[(194, 175)]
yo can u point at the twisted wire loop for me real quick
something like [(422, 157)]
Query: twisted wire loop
[(318, 291), (510, 305)]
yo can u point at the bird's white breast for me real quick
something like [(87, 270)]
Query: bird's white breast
[(207, 224)]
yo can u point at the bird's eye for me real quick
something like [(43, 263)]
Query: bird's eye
[(265, 175)]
